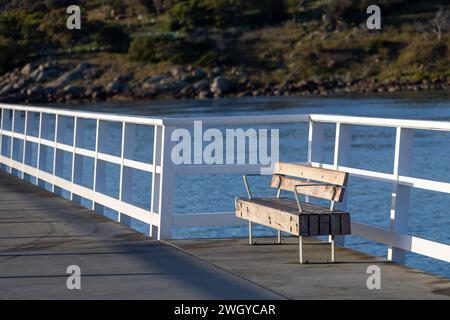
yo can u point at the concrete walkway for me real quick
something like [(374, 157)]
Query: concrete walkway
[(41, 235)]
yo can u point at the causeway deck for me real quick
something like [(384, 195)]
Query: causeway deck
[(42, 234)]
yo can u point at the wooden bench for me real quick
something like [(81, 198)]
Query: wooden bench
[(293, 216)]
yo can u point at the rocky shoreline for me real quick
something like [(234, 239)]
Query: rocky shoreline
[(54, 82)]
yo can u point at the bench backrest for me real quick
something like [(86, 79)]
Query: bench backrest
[(284, 180)]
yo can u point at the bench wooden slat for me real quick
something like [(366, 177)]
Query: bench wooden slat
[(345, 224), (324, 225), (314, 224), (307, 172), (272, 216), (335, 224), (323, 192)]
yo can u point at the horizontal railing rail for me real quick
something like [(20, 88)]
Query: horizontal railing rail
[(16, 132)]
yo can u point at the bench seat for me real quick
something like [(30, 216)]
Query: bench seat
[(283, 214)]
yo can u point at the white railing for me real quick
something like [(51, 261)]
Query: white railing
[(17, 137)]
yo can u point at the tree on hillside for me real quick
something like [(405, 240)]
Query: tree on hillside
[(441, 23)]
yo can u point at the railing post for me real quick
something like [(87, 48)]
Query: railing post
[(126, 174), (401, 194), (166, 185), (94, 178), (156, 176), (342, 145), (24, 150), (11, 154), (55, 149), (316, 142), (316, 139)]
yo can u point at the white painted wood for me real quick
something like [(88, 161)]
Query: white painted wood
[(97, 130), (383, 122), (342, 146), (88, 114), (12, 138), (156, 181), (75, 136), (316, 139), (167, 185), (316, 142), (406, 242), (401, 194), (126, 176)]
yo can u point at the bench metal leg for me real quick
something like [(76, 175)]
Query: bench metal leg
[(333, 240), (250, 237), (300, 249)]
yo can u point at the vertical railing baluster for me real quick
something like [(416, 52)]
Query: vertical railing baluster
[(25, 133), (94, 184), (167, 184), (401, 194), (11, 155), (316, 143), (38, 161), (316, 138), (55, 148), (157, 149), (122, 168), (74, 141), (342, 146)]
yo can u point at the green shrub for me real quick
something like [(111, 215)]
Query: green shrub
[(20, 37), (20, 25), (54, 25), (160, 48), (112, 37), (11, 54), (189, 15)]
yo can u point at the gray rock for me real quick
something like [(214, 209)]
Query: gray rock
[(35, 74), (35, 91), (116, 86), (177, 71), (43, 76), (28, 69), (198, 73), (204, 95), (72, 75), (6, 89), (19, 85), (202, 85), (214, 72), (73, 90), (221, 85), (157, 79)]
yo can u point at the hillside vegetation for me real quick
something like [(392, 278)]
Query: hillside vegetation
[(256, 44)]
